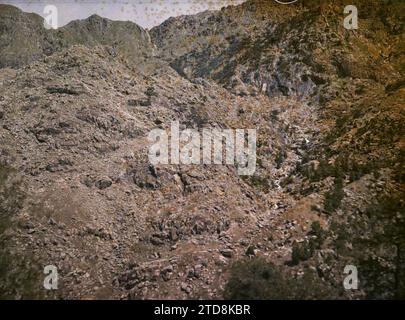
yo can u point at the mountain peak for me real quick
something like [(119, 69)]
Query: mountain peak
[(9, 9), (24, 38)]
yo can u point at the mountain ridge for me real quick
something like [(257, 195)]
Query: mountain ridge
[(127, 38)]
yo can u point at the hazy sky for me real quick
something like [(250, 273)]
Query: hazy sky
[(146, 13)]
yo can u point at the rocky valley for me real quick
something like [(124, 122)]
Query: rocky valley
[(78, 191)]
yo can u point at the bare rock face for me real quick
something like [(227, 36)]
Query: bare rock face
[(261, 46), (77, 189)]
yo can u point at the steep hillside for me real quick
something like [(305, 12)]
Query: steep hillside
[(21, 36), (288, 50), (77, 134), (78, 190)]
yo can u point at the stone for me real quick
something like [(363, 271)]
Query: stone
[(103, 183), (132, 102), (227, 253), (185, 287), (250, 251), (156, 241), (173, 234)]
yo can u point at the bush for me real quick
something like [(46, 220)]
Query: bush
[(318, 234), (280, 157), (257, 279), (257, 182), (302, 251), (334, 197), (305, 250)]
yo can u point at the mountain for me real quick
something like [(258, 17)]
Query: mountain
[(24, 38), (78, 190), (20, 35)]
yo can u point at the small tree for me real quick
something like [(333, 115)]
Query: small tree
[(334, 197)]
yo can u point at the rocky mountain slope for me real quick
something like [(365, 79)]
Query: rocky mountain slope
[(78, 191)]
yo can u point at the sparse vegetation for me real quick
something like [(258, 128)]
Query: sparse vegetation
[(302, 251), (18, 274), (259, 279), (258, 182), (280, 157), (334, 197)]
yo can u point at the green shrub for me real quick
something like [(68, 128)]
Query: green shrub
[(318, 234), (302, 251), (258, 182), (280, 157), (334, 197), (260, 280)]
